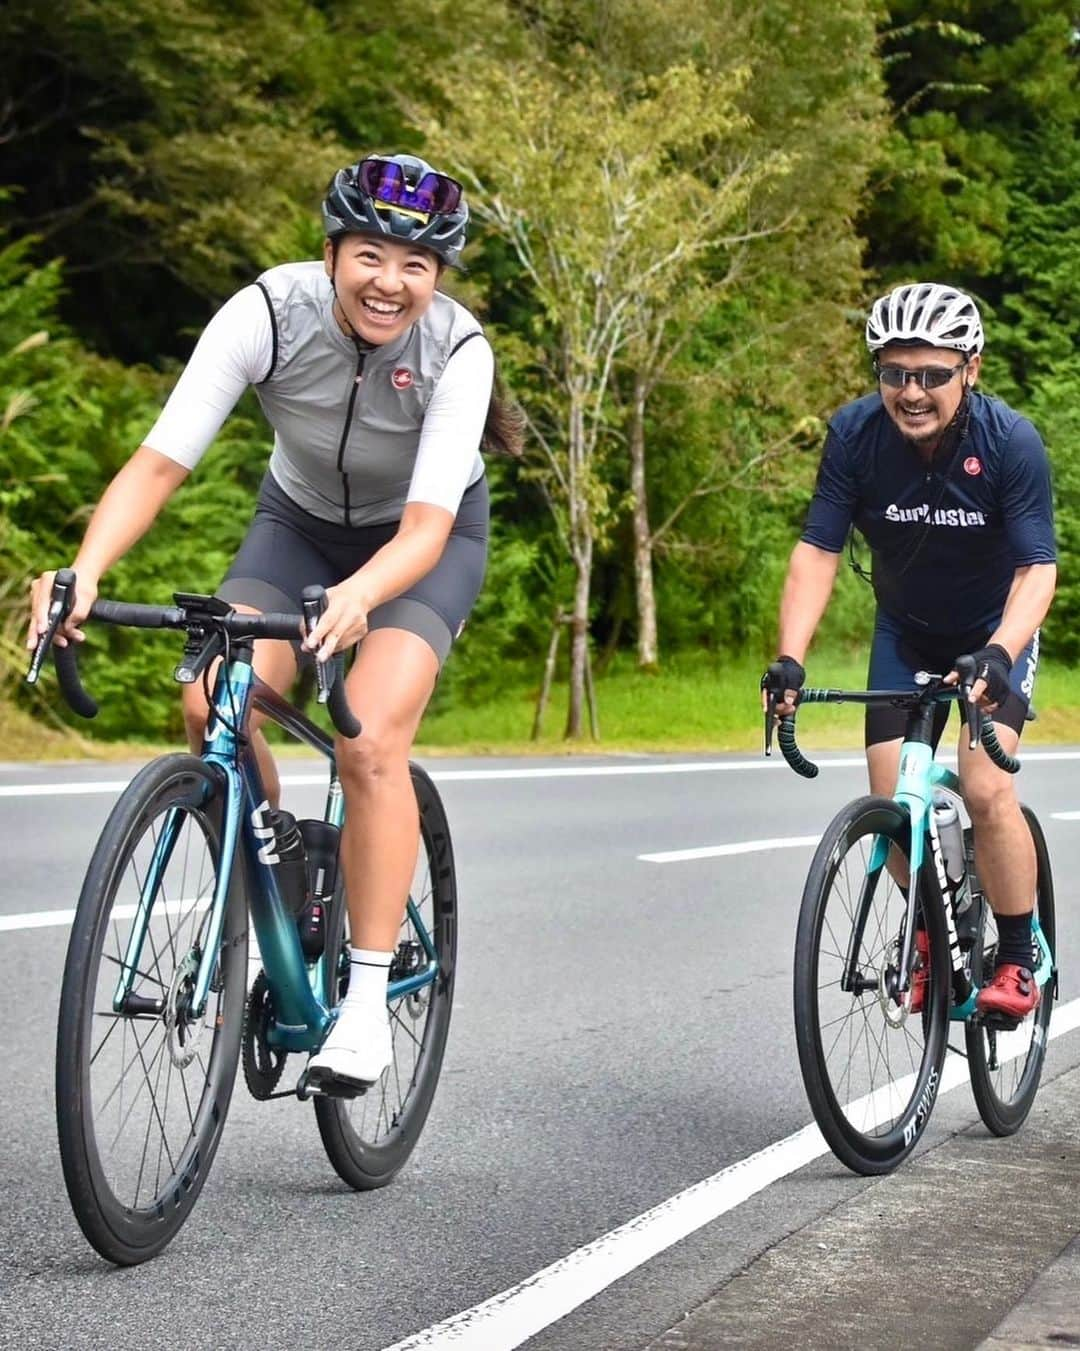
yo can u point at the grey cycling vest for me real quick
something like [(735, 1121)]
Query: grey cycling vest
[(347, 418)]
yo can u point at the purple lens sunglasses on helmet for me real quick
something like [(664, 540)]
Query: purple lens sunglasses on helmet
[(385, 182)]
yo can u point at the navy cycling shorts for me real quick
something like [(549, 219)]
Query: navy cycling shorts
[(287, 549), (897, 653)]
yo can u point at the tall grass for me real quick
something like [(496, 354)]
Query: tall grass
[(698, 703)]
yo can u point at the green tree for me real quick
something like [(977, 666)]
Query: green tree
[(580, 179), (978, 187)]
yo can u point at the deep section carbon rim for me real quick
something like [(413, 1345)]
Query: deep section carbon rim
[(142, 1093), (871, 1056), (1006, 1065), (369, 1138)]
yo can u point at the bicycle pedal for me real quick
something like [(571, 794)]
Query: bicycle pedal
[(328, 1085), (999, 1022)]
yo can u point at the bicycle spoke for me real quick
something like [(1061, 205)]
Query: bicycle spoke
[(138, 1092)]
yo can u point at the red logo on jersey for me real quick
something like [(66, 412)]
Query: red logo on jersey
[(401, 378), (973, 466)]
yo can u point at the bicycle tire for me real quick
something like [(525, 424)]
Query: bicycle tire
[(177, 1109), (369, 1139), (870, 1125), (1004, 1095)]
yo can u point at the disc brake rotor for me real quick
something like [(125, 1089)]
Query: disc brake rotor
[(183, 1033), (894, 1011)]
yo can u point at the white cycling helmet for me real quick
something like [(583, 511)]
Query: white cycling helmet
[(938, 316)]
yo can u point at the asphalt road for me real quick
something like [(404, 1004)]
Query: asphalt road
[(621, 1031)]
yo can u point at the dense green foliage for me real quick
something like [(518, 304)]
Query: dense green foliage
[(155, 159)]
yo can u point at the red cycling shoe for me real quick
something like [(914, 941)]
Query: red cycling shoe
[(920, 974), (1012, 993)]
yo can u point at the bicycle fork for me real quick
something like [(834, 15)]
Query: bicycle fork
[(151, 902)]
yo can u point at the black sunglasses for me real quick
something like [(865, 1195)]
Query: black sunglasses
[(927, 377)]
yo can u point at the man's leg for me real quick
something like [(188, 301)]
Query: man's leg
[(1004, 852), (1005, 862)]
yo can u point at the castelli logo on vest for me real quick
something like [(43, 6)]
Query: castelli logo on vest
[(973, 466), (401, 378), (943, 516)]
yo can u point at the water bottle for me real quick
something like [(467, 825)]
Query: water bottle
[(285, 852), (953, 855), (321, 840)]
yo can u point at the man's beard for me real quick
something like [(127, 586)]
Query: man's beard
[(949, 436)]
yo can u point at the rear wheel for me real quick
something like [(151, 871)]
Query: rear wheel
[(1006, 1064), (142, 1094), (871, 1062), (369, 1138)]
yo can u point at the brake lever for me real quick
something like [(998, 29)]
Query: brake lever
[(61, 603), (770, 713), (965, 669), (315, 602)]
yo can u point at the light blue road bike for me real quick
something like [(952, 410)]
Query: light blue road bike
[(156, 1008), (889, 951)]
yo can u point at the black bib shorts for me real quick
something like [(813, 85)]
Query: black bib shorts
[(287, 549)]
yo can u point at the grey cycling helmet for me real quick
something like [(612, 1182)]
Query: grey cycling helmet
[(400, 197), (926, 313)]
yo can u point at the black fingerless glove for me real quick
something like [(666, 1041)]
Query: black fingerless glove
[(993, 664), (784, 674)]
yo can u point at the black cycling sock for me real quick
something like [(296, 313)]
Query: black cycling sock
[(1015, 944)]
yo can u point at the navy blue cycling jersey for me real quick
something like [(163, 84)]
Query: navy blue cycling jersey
[(947, 536)]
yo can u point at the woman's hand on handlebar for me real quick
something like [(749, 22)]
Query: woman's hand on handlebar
[(343, 622), (70, 629)]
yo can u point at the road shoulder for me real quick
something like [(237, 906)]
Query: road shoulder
[(975, 1239)]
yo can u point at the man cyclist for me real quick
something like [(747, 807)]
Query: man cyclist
[(378, 388), (951, 490)]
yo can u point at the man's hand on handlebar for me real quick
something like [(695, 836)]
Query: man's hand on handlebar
[(780, 686), (992, 667)]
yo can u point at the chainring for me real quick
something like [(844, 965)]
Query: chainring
[(263, 1064)]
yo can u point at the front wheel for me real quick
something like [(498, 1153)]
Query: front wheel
[(369, 1138), (142, 1093), (870, 1053), (1006, 1065)]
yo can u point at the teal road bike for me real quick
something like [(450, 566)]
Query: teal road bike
[(873, 1012), (158, 1006)]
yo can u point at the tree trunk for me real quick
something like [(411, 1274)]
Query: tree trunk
[(581, 547), (579, 645), (549, 673), (647, 646)]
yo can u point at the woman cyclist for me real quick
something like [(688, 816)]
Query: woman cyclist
[(379, 390)]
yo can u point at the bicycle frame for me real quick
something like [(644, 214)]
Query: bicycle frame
[(301, 991), (919, 775)]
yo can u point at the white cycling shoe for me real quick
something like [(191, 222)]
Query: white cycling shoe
[(357, 1049)]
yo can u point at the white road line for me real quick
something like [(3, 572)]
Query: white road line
[(506, 1320), (62, 789), (48, 919), (723, 850), (450, 775), (1065, 816), (90, 787)]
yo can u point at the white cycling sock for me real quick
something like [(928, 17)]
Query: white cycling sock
[(368, 972)]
